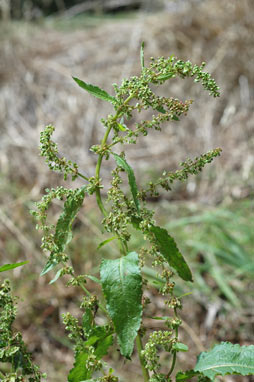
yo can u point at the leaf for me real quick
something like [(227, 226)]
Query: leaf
[(58, 274), (95, 91), (63, 234), (226, 358), (87, 320), (131, 177), (165, 77), (94, 279), (167, 247), (72, 205), (175, 118), (101, 339), (50, 264), (161, 109), (121, 127), (79, 372), (122, 287), (142, 60), (178, 346), (186, 375), (7, 267), (106, 241)]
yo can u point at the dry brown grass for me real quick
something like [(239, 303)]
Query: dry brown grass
[(36, 68), (36, 64)]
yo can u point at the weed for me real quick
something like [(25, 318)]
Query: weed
[(122, 279)]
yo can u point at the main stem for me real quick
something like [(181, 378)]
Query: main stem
[(141, 358), (98, 166)]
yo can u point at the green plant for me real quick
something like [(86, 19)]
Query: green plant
[(121, 279)]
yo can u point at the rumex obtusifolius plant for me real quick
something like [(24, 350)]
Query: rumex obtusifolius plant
[(123, 280)]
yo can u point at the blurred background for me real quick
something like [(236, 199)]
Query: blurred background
[(42, 44)]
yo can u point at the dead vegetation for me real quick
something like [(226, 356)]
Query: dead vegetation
[(36, 65)]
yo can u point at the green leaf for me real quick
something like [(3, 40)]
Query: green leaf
[(63, 234), (121, 127), (95, 91), (50, 264), (186, 375), (58, 274), (72, 205), (131, 177), (175, 118), (79, 372), (94, 279), (178, 346), (161, 109), (7, 267), (226, 358), (167, 247), (87, 320), (100, 337), (142, 60), (106, 241), (122, 287), (165, 77)]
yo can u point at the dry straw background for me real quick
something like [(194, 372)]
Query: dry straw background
[(36, 65)]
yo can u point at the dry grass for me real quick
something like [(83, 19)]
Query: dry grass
[(37, 89), (36, 65)]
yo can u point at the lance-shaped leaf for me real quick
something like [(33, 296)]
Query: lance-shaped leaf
[(131, 177), (63, 234), (95, 91), (226, 358), (167, 247), (7, 267), (104, 242), (122, 287)]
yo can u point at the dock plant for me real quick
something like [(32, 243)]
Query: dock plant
[(123, 280)]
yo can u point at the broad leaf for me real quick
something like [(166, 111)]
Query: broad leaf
[(7, 267), (186, 375), (167, 247), (95, 91), (80, 372), (100, 337), (131, 177), (63, 234), (226, 358), (122, 287)]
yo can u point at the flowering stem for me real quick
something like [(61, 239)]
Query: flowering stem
[(89, 294)]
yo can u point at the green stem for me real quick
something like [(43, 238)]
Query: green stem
[(124, 247), (83, 176), (103, 142), (174, 352), (141, 358), (173, 364)]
